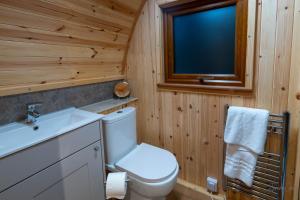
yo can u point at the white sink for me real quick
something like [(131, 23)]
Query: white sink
[(18, 136)]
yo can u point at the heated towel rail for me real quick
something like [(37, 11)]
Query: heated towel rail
[(270, 171)]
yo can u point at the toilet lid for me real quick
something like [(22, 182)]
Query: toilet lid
[(148, 163)]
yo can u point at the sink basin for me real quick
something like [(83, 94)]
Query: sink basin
[(18, 136)]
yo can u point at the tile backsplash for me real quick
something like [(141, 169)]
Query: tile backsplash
[(13, 108)]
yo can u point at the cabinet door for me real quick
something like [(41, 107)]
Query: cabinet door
[(77, 177)]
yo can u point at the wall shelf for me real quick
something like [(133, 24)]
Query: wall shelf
[(110, 105)]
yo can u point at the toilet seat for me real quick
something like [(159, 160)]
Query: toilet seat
[(148, 163)]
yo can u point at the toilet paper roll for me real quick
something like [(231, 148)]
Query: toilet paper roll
[(116, 185)]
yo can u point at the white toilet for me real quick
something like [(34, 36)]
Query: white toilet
[(152, 171)]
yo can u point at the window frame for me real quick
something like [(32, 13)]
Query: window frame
[(235, 80)]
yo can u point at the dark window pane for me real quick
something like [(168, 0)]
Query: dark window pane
[(204, 42)]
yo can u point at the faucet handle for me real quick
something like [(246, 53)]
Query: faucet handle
[(33, 106)]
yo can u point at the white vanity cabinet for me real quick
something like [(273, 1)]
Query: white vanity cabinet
[(74, 169)]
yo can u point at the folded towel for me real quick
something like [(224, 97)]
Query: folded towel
[(245, 135), (247, 127), (240, 163)]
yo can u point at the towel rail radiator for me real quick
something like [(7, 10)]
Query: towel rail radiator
[(270, 171)]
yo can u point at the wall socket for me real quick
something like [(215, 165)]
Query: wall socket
[(212, 184)]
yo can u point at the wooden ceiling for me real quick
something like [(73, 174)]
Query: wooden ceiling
[(46, 44)]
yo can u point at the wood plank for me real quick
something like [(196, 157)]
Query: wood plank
[(266, 53), (190, 134), (223, 102), (109, 9), (177, 124), (283, 48), (35, 61), (133, 4), (285, 15), (11, 34), (203, 141), (117, 6), (250, 61), (36, 23), (166, 127), (16, 75), (84, 7), (17, 89), (57, 12), (212, 118), (23, 49), (294, 102)]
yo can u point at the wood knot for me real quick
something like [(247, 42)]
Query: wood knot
[(189, 158), (61, 28), (179, 109), (116, 37), (298, 96), (94, 53)]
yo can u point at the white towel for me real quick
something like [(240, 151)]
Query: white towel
[(247, 127), (245, 135), (240, 163)]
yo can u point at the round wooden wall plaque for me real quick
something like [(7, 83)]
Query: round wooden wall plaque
[(122, 89)]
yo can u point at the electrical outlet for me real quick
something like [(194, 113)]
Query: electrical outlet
[(212, 184)]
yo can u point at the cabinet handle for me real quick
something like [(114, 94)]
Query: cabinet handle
[(96, 148)]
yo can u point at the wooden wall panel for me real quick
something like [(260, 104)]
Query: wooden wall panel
[(294, 99), (191, 125), (46, 44)]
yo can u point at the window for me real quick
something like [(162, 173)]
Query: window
[(205, 42)]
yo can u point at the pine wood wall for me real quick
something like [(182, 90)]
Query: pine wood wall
[(191, 125), (47, 44), (294, 94)]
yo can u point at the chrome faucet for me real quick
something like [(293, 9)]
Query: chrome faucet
[(32, 114)]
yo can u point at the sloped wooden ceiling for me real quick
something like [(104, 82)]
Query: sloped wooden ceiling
[(46, 44)]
